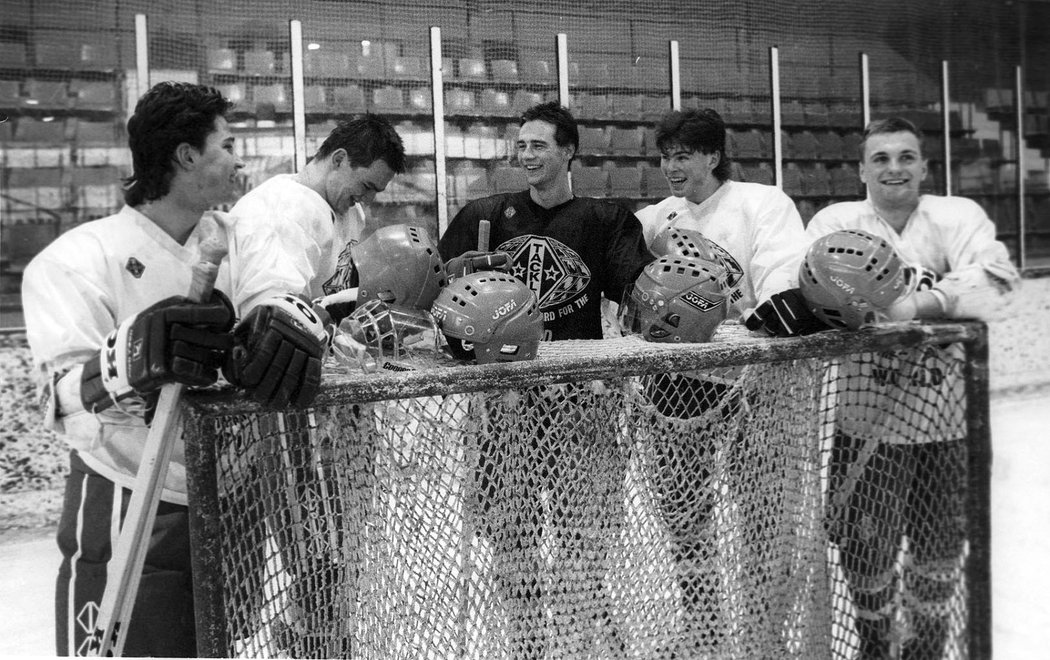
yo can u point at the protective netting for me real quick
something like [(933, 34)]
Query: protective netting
[(792, 506), (68, 78)]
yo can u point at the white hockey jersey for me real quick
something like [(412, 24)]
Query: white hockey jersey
[(757, 225), (915, 395), (77, 291), (285, 238)]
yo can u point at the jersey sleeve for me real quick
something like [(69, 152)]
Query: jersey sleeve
[(67, 315), (779, 240), (272, 252), (981, 278), (626, 254)]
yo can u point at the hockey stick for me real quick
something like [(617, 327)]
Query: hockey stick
[(483, 235), (129, 555)]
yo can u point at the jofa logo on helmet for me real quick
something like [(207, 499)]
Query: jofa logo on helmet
[(700, 302), (504, 309), (842, 284)]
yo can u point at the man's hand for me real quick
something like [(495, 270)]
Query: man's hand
[(473, 261), (172, 341), (785, 314), (278, 350)]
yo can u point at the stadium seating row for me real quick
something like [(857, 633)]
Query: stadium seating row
[(62, 50), (59, 95)]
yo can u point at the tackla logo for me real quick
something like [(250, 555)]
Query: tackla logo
[(135, 267), (551, 269)]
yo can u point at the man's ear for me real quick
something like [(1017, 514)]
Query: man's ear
[(338, 157), (185, 155)]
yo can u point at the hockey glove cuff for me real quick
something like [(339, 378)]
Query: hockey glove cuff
[(172, 341), (785, 314), (278, 350)]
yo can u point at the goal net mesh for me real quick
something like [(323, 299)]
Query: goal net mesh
[(805, 507)]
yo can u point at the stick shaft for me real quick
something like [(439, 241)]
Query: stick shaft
[(483, 235), (129, 555)]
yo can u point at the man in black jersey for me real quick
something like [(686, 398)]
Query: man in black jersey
[(570, 251)]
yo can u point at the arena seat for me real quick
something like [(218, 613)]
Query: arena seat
[(504, 71), (524, 99), (792, 113), (326, 62), (625, 106), (496, 102), (270, 99), (627, 141), (590, 106), (792, 184), (220, 60), (816, 114), (348, 99), (459, 101), (92, 95), (845, 115), (13, 54), (815, 179), (759, 173), (420, 99), (829, 145), (408, 67), (508, 179), (260, 62), (370, 67), (46, 95), (539, 71), (388, 99), (653, 107), (625, 182), (593, 140), (31, 130), (845, 181), (654, 182), (589, 181), (472, 69), (314, 99), (747, 144), (10, 94), (851, 146), (802, 145)]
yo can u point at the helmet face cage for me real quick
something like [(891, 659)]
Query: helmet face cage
[(849, 276), (398, 264), (676, 299), (490, 316)]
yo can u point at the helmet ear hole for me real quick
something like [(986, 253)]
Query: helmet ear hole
[(461, 350)]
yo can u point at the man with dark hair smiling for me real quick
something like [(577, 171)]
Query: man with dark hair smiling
[(571, 251), (120, 282)]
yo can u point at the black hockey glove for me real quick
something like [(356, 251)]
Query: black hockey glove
[(172, 341), (785, 314), (277, 353), (473, 261)]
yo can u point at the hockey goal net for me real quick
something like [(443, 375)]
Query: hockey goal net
[(748, 498)]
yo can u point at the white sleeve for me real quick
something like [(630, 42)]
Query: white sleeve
[(779, 240), (647, 219), (981, 279), (271, 253)]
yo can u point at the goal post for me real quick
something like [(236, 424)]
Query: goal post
[(743, 498)]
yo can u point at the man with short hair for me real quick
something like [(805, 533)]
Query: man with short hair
[(757, 232), (108, 324), (571, 251), (898, 461), (293, 232)]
